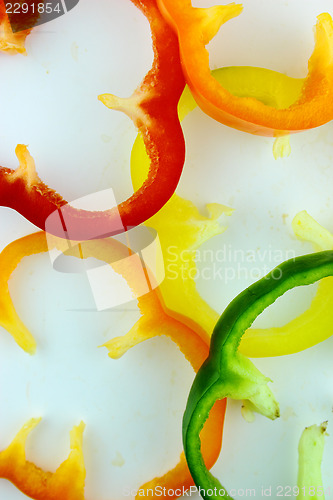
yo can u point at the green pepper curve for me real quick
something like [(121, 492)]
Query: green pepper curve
[(228, 373)]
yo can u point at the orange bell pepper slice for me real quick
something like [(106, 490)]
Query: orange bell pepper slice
[(197, 26), (34, 481)]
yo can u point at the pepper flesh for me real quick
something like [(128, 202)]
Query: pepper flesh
[(153, 108), (196, 27), (182, 229), (227, 373), (66, 483), (312, 326), (310, 452), (42, 485)]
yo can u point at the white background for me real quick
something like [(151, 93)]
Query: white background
[(133, 407)]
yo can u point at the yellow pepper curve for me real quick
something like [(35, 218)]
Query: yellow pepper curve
[(181, 227)]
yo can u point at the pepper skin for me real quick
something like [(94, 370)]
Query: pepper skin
[(196, 27), (312, 326), (66, 483), (42, 485), (182, 229), (227, 373), (153, 108)]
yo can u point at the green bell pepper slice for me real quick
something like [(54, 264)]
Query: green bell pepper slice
[(228, 373)]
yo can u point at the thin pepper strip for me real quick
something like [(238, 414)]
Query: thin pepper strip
[(153, 108), (195, 27), (182, 229), (155, 322), (42, 485), (227, 373)]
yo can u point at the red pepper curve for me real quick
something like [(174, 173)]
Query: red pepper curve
[(153, 108)]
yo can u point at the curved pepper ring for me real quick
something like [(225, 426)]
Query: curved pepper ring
[(227, 373), (195, 27), (42, 485), (182, 229), (153, 109)]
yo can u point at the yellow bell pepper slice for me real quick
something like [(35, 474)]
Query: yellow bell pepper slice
[(42, 485), (183, 229)]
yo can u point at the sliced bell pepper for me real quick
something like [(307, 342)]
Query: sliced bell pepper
[(195, 27), (190, 229), (154, 322), (66, 483), (182, 229), (11, 43), (42, 485), (153, 108), (227, 373)]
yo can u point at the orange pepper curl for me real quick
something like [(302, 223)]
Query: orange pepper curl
[(195, 28), (67, 482)]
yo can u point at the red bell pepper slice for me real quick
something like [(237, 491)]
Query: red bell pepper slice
[(153, 108)]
